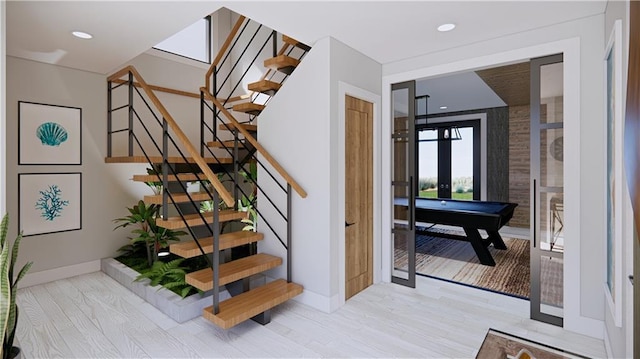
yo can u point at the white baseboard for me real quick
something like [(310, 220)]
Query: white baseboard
[(607, 345), (51, 275), (586, 326), (317, 301)]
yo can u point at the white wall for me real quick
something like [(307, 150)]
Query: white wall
[(107, 188), (3, 102), (618, 338), (584, 40), (102, 197), (295, 128), (300, 129)]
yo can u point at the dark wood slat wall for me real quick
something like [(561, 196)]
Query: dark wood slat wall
[(498, 154)]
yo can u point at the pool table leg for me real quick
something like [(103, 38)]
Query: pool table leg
[(481, 250), (496, 239)]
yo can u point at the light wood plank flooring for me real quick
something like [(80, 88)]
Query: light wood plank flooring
[(92, 316)]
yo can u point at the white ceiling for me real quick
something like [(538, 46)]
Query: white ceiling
[(386, 31), (459, 92)]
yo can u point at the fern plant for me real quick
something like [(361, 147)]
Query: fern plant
[(170, 274)]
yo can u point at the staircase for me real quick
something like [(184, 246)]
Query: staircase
[(224, 167)]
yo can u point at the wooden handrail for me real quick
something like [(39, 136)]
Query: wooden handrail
[(182, 93), (208, 173), (255, 144), (223, 49), (163, 89)]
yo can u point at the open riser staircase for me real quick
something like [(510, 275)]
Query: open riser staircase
[(221, 215)]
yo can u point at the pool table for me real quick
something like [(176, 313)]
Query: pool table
[(470, 215)]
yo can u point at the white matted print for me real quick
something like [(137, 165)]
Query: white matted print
[(49, 134), (49, 202)]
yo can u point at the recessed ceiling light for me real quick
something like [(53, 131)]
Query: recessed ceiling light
[(446, 27), (443, 107), (82, 34)]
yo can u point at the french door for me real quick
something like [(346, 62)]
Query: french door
[(448, 160), (403, 183), (547, 190)]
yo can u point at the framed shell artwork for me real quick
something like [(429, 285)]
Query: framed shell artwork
[(49, 134)]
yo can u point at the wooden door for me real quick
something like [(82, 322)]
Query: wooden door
[(358, 195)]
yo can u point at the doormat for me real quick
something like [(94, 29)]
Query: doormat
[(498, 344)]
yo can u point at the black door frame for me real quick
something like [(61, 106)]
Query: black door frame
[(444, 149)]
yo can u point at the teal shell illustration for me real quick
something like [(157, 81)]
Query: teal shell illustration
[(51, 134)]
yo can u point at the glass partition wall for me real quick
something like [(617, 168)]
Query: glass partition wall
[(403, 182), (547, 188)]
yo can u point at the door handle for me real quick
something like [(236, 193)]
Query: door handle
[(348, 224), (630, 278)]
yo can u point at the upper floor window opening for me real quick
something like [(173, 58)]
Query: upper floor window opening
[(194, 42)]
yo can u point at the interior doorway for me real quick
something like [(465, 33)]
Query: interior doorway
[(358, 195), (509, 164)]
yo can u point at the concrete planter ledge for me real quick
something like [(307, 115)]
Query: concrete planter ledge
[(166, 301)]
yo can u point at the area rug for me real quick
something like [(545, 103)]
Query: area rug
[(456, 261), (498, 344)]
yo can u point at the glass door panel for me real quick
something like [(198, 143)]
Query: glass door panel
[(462, 157), (403, 183), (428, 163), (547, 200)]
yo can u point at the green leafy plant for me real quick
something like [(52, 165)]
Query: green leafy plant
[(8, 290), (246, 204), (155, 186), (170, 275), (148, 235)]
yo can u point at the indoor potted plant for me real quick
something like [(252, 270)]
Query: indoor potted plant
[(8, 290)]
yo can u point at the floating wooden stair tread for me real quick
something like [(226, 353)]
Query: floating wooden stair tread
[(158, 159), (221, 144), (293, 42), (265, 86), (178, 198), (233, 271), (249, 107), (282, 63), (195, 220), (242, 307), (231, 126), (190, 249), (183, 177)]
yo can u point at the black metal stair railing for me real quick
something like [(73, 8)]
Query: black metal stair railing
[(244, 166), (140, 119), (242, 42)]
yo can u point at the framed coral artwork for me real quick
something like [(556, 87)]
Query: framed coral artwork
[(49, 202), (49, 134)]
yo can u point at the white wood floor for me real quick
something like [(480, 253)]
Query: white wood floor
[(92, 316)]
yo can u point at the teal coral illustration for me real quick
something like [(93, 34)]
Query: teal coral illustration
[(51, 134), (51, 203)]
